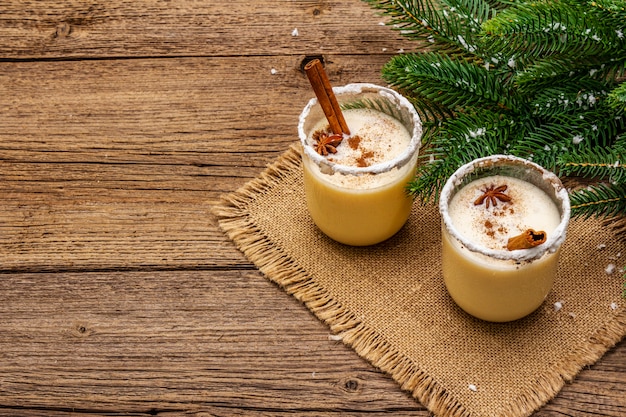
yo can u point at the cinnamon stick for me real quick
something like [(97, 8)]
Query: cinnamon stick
[(529, 239), (324, 93)]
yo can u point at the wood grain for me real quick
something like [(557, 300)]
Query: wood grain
[(202, 341), (96, 29), (143, 341), (97, 154), (121, 124)]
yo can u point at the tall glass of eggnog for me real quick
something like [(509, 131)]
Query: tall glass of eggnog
[(504, 220), (356, 187)]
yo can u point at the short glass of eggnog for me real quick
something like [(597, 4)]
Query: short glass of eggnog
[(504, 220), (356, 189)]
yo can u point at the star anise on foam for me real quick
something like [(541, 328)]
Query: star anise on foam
[(491, 195), (326, 143)]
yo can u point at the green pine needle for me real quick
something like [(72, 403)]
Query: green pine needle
[(547, 27), (606, 163), (542, 79), (453, 84), (458, 141), (599, 200), (617, 99)]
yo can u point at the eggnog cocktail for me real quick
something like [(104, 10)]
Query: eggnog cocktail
[(355, 184), (504, 220)]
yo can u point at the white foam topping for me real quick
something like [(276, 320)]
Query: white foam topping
[(379, 164), (493, 222), (375, 137), (559, 201)]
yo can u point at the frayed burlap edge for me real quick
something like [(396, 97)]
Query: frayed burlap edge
[(272, 261), (552, 381)]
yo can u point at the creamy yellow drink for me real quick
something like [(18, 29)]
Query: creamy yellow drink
[(486, 207), (356, 190)]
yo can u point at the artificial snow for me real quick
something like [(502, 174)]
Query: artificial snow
[(610, 269)]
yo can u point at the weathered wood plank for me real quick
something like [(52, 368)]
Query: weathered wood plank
[(217, 342), (121, 123), (161, 111), (116, 164), (136, 342), (96, 29)]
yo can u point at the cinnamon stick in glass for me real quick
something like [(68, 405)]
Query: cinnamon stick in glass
[(528, 239), (324, 93)]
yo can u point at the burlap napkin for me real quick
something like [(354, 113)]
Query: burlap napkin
[(388, 302)]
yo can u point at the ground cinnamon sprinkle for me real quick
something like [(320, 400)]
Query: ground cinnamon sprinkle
[(489, 227), (491, 231), (354, 141), (366, 147), (362, 160)]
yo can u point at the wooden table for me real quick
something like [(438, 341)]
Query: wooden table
[(121, 124)]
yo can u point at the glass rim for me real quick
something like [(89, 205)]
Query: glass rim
[(358, 88), (554, 239)]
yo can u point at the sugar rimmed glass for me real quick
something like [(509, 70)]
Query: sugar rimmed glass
[(341, 200), (500, 285)]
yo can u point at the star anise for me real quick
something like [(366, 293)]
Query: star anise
[(491, 195), (326, 143)]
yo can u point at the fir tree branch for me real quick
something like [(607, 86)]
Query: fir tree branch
[(591, 128), (558, 70), (617, 98), (615, 10), (453, 84), (606, 164), (566, 98), (449, 25), (541, 79), (416, 19), (543, 28), (456, 142), (541, 142), (600, 200)]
